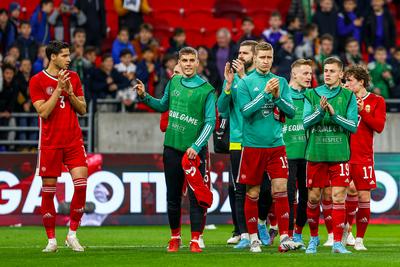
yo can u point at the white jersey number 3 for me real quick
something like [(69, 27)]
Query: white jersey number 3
[(62, 102)]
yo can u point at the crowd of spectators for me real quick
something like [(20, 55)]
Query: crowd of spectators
[(350, 29)]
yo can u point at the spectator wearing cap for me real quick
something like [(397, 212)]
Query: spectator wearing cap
[(39, 22), (15, 11), (26, 44), (120, 43)]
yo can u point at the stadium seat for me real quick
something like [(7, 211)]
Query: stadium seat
[(193, 5), (195, 36), (198, 15)]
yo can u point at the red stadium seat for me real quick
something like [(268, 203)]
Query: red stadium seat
[(198, 15)]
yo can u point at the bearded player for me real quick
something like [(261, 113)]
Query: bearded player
[(57, 96)]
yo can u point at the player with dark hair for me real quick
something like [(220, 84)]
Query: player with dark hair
[(229, 106), (371, 120), (191, 104), (57, 96)]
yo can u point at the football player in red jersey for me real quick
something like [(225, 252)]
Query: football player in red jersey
[(57, 96), (371, 119)]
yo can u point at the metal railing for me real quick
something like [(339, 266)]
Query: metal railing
[(86, 122)]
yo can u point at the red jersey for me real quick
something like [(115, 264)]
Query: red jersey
[(371, 119), (61, 129)]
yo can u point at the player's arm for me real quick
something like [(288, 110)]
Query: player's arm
[(376, 121), (160, 105), (77, 102), (283, 99), (209, 124), (350, 122), (311, 117), (247, 105), (226, 97), (44, 108), (224, 100)]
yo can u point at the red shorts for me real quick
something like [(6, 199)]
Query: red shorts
[(363, 176), (256, 161), (326, 174), (50, 160)]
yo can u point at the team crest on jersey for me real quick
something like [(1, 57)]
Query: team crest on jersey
[(368, 108), (49, 90), (176, 93)]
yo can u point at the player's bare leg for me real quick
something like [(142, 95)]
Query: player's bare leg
[(251, 214), (327, 213), (79, 178), (49, 212), (351, 210), (338, 218), (363, 215), (313, 213)]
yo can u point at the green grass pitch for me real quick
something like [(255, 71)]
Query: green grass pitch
[(146, 246)]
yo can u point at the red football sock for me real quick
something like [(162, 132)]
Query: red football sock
[(48, 210), (78, 203), (363, 215), (313, 214), (338, 220), (195, 235), (327, 212), (282, 212), (351, 208), (271, 214), (298, 229), (251, 214), (176, 232)]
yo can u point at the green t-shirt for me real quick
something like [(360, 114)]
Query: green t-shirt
[(293, 131), (260, 128)]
